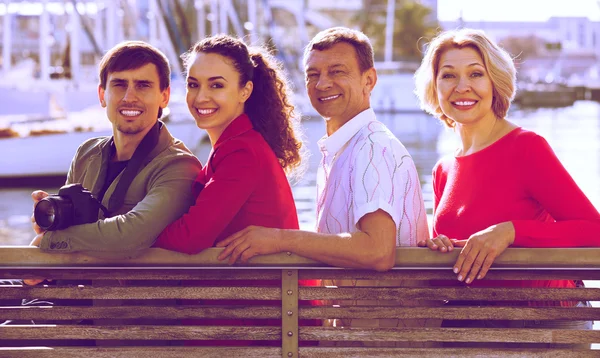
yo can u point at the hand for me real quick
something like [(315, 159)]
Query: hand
[(250, 242), (34, 281), (37, 196), (440, 243), (481, 249)]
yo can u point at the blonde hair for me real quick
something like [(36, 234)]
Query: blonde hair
[(497, 61)]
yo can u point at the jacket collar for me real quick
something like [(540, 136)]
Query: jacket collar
[(237, 127)]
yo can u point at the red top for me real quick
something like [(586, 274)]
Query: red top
[(518, 178), (244, 184)]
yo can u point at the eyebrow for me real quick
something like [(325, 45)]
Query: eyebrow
[(470, 65), (328, 67), (214, 78), (137, 82)]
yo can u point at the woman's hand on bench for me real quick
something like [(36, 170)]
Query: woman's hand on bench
[(481, 249)]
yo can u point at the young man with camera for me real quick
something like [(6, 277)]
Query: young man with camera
[(133, 184)]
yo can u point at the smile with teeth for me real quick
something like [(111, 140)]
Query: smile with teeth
[(206, 111), (325, 99), (130, 112), (464, 103)]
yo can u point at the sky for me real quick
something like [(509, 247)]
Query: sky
[(517, 10)]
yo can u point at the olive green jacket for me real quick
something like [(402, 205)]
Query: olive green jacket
[(160, 193)]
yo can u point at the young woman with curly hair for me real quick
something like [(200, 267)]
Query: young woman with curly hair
[(239, 95)]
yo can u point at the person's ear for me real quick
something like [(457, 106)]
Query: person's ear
[(166, 95), (370, 77), (101, 96), (246, 91)]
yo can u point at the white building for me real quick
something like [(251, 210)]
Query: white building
[(575, 34)]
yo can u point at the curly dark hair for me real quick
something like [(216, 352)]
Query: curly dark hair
[(268, 107)]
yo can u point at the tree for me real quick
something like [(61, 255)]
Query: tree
[(413, 26), (522, 47)]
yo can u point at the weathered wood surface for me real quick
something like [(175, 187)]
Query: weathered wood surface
[(401, 273), (243, 273), (29, 257), (466, 313), (43, 332), (422, 334), (306, 293), (141, 293), (143, 352), (310, 352), (306, 352), (131, 273), (64, 313), (52, 332), (464, 293)]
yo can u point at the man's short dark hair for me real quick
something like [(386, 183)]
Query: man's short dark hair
[(130, 55), (328, 38)]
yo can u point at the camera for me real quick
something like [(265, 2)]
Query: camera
[(73, 205)]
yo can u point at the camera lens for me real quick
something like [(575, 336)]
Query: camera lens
[(53, 213)]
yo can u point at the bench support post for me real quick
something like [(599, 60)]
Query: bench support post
[(289, 313)]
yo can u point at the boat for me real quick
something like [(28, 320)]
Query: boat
[(40, 150)]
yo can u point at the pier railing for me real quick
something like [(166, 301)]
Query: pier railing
[(165, 304)]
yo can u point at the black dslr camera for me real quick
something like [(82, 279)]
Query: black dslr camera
[(74, 205)]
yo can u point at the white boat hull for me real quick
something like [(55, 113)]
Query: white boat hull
[(51, 154)]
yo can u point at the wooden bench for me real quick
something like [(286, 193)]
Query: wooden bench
[(149, 319)]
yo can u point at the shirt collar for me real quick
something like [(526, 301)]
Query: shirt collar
[(333, 143), (238, 126)]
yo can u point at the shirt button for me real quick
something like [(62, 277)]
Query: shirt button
[(63, 245)]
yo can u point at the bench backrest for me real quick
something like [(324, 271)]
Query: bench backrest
[(173, 305)]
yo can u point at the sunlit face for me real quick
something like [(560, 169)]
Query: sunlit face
[(464, 88), (132, 99), (336, 87), (214, 95)]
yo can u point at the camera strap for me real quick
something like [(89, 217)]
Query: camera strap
[(131, 170)]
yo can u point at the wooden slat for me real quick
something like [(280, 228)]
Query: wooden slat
[(318, 352), (449, 335), (459, 293), (274, 274), (466, 313), (30, 257), (305, 352), (129, 273), (132, 273), (44, 332), (143, 352), (60, 313), (22, 256), (306, 293), (306, 333), (141, 293), (447, 274)]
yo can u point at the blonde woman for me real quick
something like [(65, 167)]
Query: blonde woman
[(503, 186)]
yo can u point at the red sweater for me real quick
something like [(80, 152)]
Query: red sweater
[(244, 185), (518, 178)]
